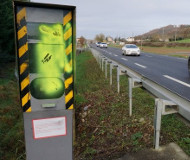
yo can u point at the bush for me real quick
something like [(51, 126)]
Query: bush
[(153, 44), (175, 44), (164, 44)]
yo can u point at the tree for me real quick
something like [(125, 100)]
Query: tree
[(7, 40), (100, 37), (82, 41), (7, 28)]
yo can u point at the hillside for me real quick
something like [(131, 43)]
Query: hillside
[(167, 33)]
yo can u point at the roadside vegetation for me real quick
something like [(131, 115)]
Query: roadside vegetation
[(11, 121), (104, 128), (184, 41)]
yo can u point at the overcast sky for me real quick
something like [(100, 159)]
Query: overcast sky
[(125, 18)]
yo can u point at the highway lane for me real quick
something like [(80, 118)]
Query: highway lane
[(169, 72)]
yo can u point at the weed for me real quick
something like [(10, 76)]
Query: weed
[(136, 136), (90, 152)]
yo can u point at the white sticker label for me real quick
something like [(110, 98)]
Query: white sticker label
[(49, 127)]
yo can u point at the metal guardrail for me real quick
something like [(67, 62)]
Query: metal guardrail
[(81, 50), (176, 103)]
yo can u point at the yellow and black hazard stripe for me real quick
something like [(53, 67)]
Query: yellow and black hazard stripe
[(67, 28), (23, 58)]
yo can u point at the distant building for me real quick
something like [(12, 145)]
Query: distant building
[(78, 39), (110, 40), (130, 39), (164, 40), (121, 43), (138, 40)]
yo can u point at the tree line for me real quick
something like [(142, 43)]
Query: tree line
[(7, 40), (7, 28)]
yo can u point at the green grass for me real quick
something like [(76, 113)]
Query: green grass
[(175, 130), (184, 41), (11, 122)]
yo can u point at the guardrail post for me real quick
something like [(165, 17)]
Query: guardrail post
[(99, 60), (111, 67), (130, 95), (118, 84), (157, 122), (133, 83), (162, 107), (102, 64), (106, 72)]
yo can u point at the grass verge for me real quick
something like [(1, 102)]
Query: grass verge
[(184, 41), (11, 121), (177, 51), (104, 129)]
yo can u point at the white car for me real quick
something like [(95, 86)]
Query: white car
[(131, 49), (98, 44), (103, 45)]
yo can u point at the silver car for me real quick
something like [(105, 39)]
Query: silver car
[(131, 49), (98, 44), (103, 45)]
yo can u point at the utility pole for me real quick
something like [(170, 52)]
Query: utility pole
[(175, 31), (141, 43)]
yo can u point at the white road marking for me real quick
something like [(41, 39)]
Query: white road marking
[(115, 55), (124, 59), (182, 59), (176, 80), (140, 65), (148, 56), (110, 53)]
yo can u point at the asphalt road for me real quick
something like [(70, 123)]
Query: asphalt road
[(169, 72)]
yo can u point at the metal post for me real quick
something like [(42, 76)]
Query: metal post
[(157, 122), (100, 61), (162, 107), (111, 67), (106, 72), (102, 64), (118, 85), (130, 81)]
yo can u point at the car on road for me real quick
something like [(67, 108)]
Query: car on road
[(103, 45), (189, 65), (131, 49), (98, 44)]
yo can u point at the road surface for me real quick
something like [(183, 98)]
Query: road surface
[(169, 72)]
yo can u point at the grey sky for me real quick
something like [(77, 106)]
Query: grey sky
[(126, 17)]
